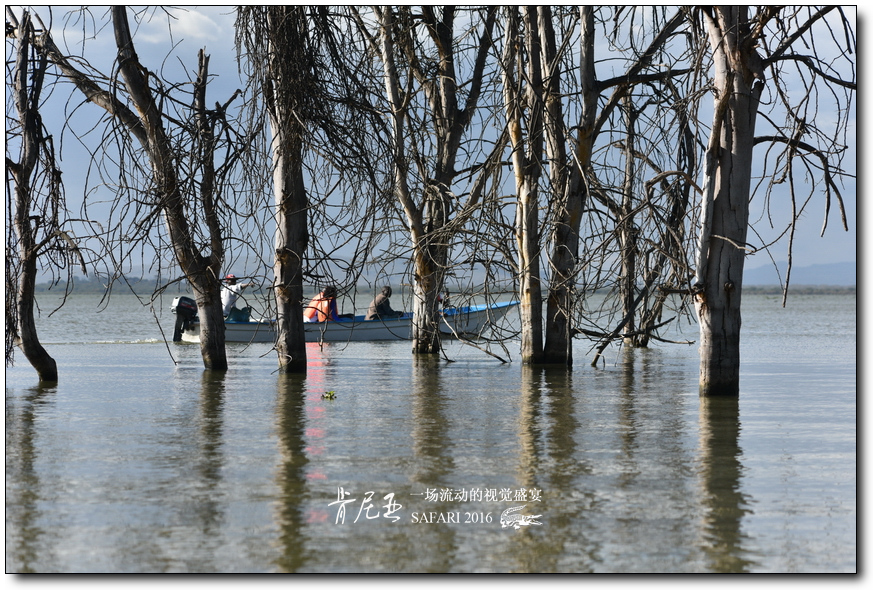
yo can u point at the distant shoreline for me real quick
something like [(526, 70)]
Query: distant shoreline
[(802, 289)]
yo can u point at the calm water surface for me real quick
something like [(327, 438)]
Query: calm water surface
[(141, 461)]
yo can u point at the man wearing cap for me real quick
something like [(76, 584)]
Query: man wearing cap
[(230, 292)]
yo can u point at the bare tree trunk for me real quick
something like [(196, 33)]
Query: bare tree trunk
[(288, 81), (202, 272), (558, 347), (529, 280), (277, 42), (429, 274), (527, 165), (425, 331), (292, 239), (147, 126), (431, 261), (627, 231), (210, 309), (28, 86), (572, 193), (727, 185), (28, 341)]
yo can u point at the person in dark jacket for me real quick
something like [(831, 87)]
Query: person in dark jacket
[(380, 308)]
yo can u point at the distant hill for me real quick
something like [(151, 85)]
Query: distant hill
[(836, 274)]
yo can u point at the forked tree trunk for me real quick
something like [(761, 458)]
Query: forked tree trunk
[(427, 278), (429, 263), (451, 118), (573, 196), (726, 191), (208, 272), (202, 272), (147, 125), (571, 193)]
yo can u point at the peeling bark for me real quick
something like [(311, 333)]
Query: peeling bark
[(527, 166)]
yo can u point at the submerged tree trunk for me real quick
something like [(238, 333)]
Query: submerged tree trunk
[(28, 82), (726, 191), (147, 125), (292, 238), (558, 346), (626, 228), (28, 341), (288, 81), (427, 273), (280, 52), (431, 261), (429, 277), (527, 166), (571, 199), (429, 220), (208, 276), (202, 272), (571, 193)]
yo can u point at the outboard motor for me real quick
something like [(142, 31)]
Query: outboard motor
[(185, 309)]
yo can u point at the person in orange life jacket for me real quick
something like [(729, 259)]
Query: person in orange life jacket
[(230, 292), (322, 307)]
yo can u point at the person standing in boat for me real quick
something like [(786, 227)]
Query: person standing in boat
[(322, 308), (230, 292), (380, 308)]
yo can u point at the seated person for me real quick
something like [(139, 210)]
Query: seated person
[(322, 308), (380, 308)]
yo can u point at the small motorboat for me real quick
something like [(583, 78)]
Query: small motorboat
[(468, 322)]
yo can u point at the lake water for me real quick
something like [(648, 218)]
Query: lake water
[(138, 460)]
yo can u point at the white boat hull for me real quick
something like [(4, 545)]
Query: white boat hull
[(465, 321)]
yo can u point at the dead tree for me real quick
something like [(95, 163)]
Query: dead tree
[(647, 211), (526, 144), (570, 173), (36, 204), (432, 97), (655, 62), (276, 41), (181, 191), (753, 49), (572, 115)]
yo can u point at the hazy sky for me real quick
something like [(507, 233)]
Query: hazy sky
[(212, 27)]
